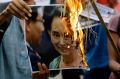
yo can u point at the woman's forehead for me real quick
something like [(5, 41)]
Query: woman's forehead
[(58, 25)]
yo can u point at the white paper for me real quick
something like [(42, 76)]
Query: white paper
[(105, 12)]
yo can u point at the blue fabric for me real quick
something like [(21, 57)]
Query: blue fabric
[(14, 59), (97, 54), (33, 58), (97, 50)]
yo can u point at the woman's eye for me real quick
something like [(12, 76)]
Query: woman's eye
[(67, 36), (56, 34)]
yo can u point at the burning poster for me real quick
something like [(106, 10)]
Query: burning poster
[(56, 38), (62, 29)]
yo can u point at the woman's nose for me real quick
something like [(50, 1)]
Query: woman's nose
[(61, 42)]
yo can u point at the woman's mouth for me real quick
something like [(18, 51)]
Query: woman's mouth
[(64, 49)]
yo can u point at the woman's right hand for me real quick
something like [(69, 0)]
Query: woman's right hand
[(118, 71), (115, 67), (18, 8), (43, 72)]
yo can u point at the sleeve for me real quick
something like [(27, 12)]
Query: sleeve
[(112, 26)]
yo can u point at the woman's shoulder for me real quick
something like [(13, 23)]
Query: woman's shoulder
[(55, 63)]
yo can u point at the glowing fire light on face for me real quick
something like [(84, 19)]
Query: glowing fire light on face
[(75, 8)]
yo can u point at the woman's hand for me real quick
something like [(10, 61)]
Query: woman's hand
[(118, 70), (43, 72), (18, 8), (115, 67)]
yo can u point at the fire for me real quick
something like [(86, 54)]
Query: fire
[(75, 8)]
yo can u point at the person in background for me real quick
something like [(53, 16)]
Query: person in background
[(114, 27), (10, 53), (35, 28), (13, 51)]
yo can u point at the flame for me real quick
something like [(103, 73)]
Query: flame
[(75, 8)]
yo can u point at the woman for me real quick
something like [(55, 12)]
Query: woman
[(114, 27), (35, 28), (70, 56)]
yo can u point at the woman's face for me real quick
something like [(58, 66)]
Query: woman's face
[(36, 28), (61, 39)]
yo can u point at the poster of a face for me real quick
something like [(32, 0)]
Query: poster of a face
[(50, 42), (50, 19)]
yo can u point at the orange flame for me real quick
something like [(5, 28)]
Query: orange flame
[(75, 8)]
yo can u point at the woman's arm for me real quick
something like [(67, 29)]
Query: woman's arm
[(113, 57)]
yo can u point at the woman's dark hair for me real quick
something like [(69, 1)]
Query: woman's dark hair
[(34, 13), (118, 27), (49, 15)]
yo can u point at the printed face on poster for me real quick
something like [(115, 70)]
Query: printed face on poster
[(47, 35), (49, 19)]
